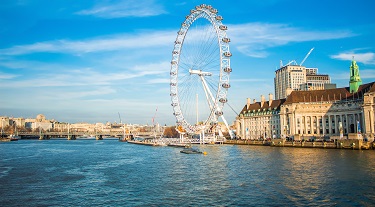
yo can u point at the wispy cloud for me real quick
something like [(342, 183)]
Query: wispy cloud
[(365, 74), (253, 39), (85, 76), (159, 80), (125, 8), (368, 74), (96, 91), (366, 57), (146, 39), (247, 80), (7, 76)]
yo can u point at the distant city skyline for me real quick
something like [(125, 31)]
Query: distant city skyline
[(89, 61)]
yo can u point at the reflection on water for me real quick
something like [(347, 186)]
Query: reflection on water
[(112, 173)]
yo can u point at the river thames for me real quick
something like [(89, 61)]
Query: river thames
[(112, 173)]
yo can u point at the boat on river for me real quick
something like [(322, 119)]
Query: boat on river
[(14, 137), (190, 150)]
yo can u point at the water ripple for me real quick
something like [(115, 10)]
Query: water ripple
[(111, 173)]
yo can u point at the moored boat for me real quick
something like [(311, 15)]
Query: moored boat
[(13, 137), (192, 151)]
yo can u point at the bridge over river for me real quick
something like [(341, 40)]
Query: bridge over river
[(75, 135), (144, 137)]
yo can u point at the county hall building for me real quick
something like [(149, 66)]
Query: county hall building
[(312, 114)]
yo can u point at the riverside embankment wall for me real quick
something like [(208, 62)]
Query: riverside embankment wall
[(355, 144)]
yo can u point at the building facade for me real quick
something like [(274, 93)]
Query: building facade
[(259, 120), (316, 114), (315, 82), (333, 113)]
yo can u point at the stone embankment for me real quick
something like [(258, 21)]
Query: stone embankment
[(355, 144)]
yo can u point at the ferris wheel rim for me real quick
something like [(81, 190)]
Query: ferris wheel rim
[(209, 13)]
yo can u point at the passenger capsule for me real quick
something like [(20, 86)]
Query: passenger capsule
[(225, 85), (228, 69), (219, 18), (174, 104), (192, 11), (209, 7), (172, 73), (173, 62), (223, 27), (226, 39), (219, 113), (214, 11), (176, 113), (183, 24), (180, 32), (173, 84), (223, 100), (203, 5), (227, 54), (175, 52), (173, 94), (177, 42)]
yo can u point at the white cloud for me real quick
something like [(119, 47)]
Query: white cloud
[(247, 80), (7, 76), (145, 39), (366, 58), (83, 76), (125, 8), (253, 39), (79, 94), (365, 74), (159, 80)]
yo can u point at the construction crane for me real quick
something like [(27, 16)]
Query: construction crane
[(292, 62), (306, 56), (153, 118), (119, 117)]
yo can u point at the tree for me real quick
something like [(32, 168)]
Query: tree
[(171, 131)]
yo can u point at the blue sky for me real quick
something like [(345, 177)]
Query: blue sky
[(87, 61)]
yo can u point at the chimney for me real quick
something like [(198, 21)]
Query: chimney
[(262, 100), (248, 103), (270, 99)]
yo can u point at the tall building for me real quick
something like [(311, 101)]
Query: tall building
[(298, 78), (287, 79)]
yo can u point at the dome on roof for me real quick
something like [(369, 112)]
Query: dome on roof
[(40, 118)]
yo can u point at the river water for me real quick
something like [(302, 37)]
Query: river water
[(112, 173)]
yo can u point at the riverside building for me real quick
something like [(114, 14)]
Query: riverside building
[(259, 120), (336, 113)]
